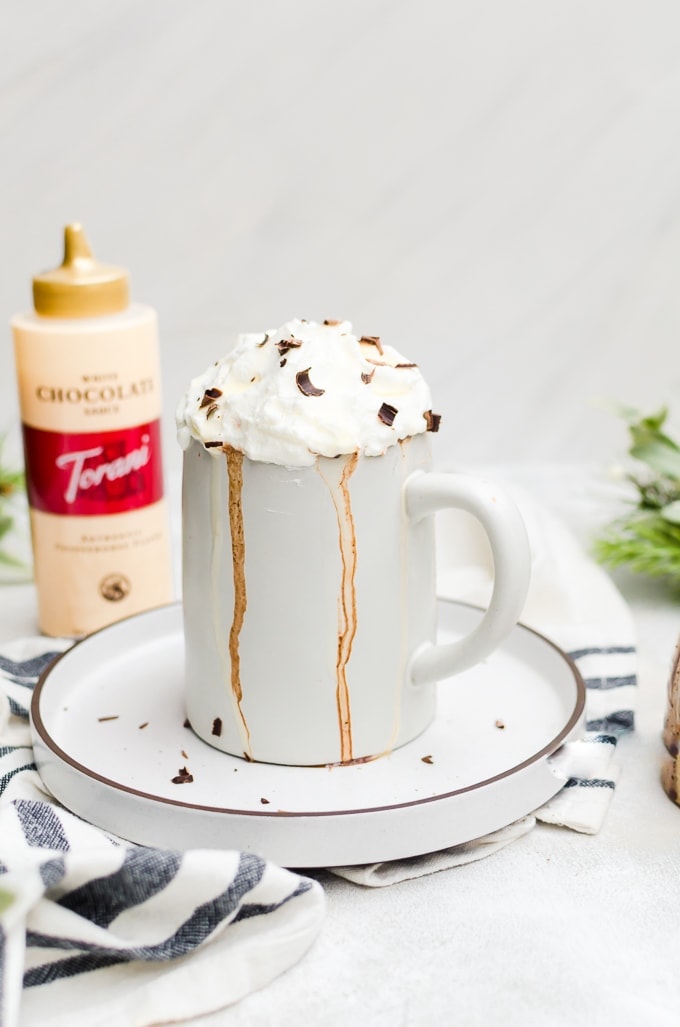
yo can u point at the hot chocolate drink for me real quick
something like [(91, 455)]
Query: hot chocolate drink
[(309, 600)]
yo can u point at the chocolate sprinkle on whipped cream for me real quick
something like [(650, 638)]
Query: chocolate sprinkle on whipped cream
[(387, 413), (287, 344), (432, 420), (305, 386), (373, 340), (365, 396), (209, 396)]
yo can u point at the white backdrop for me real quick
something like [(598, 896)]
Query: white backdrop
[(492, 186)]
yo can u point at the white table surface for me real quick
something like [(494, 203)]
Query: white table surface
[(558, 928)]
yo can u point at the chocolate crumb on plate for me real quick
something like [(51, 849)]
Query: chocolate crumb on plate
[(500, 724), (217, 727), (265, 802), (115, 716), (432, 420), (186, 723), (427, 759), (145, 724), (387, 413), (184, 754), (305, 386), (183, 777)]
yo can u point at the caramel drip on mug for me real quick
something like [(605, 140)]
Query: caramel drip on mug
[(238, 558), (347, 601)]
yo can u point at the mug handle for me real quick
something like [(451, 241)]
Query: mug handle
[(425, 493)]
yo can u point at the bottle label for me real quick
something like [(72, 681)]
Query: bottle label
[(93, 473)]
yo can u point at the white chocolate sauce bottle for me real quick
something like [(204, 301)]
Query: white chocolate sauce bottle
[(88, 372)]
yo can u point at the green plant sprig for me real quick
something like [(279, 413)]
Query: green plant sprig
[(12, 481), (647, 539)]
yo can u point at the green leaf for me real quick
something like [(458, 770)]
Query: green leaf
[(7, 560), (653, 422), (7, 899), (648, 539), (662, 455), (671, 512)]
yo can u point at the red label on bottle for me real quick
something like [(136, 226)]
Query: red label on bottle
[(93, 473)]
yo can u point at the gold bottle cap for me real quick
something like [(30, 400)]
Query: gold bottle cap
[(81, 286)]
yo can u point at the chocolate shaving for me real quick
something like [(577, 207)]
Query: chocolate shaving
[(330, 321), (114, 717), (217, 727), (432, 420), (186, 723), (305, 386), (209, 396), (212, 445), (367, 376), (266, 337), (287, 344), (282, 363), (183, 777), (373, 340), (248, 758), (387, 413), (427, 759), (265, 802), (145, 724), (405, 365), (211, 410)]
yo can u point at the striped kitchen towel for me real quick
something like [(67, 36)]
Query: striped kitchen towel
[(574, 603), (96, 931)]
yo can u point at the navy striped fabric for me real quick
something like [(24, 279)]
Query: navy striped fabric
[(609, 674), (102, 899)]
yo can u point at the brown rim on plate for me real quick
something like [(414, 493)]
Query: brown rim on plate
[(551, 748)]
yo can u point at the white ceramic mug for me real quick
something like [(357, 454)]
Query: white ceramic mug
[(309, 600)]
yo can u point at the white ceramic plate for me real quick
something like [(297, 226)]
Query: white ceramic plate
[(109, 734)]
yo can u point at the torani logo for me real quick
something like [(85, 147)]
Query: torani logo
[(115, 587)]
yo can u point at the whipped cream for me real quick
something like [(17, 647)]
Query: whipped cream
[(306, 390)]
